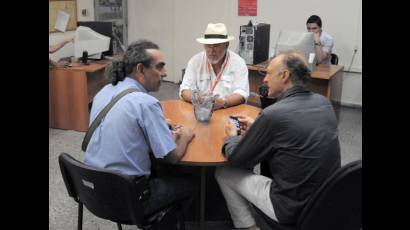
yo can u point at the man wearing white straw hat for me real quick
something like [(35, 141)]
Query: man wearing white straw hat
[(217, 70)]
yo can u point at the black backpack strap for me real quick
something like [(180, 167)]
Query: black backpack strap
[(101, 115)]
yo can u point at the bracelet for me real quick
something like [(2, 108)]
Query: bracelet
[(318, 44)]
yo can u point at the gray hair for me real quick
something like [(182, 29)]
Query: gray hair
[(298, 68), (135, 53)]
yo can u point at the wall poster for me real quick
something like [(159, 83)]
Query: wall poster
[(247, 7)]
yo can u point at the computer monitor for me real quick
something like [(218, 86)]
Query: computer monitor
[(104, 28), (90, 41), (301, 41)]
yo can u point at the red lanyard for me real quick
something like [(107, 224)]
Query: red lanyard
[(218, 77)]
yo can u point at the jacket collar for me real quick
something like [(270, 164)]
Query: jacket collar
[(292, 91)]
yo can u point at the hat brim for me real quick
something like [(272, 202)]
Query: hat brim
[(211, 41)]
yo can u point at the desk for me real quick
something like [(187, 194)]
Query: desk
[(206, 147), (71, 89), (326, 80)]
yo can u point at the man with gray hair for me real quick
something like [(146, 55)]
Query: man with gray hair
[(216, 70), (135, 127), (297, 136)]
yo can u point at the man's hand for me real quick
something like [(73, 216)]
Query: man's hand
[(182, 136), (219, 103), (184, 133), (174, 128), (230, 129), (170, 123), (245, 122), (186, 95), (316, 36)]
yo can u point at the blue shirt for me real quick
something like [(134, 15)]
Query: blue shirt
[(133, 127)]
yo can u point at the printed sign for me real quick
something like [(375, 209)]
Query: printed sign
[(247, 7)]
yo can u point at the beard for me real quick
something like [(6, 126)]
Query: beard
[(215, 60)]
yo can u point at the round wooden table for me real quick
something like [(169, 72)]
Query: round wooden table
[(206, 147)]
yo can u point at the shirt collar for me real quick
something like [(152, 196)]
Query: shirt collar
[(292, 91), (132, 81)]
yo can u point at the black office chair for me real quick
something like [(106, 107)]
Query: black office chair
[(264, 99), (110, 195), (182, 76), (336, 205), (334, 59)]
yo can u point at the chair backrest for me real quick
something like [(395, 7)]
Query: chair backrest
[(264, 99), (105, 193), (182, 76), (337, 204), (334, 59)]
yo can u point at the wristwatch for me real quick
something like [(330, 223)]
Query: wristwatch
[(318, 44)]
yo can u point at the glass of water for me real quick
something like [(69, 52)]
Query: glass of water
[(203, 105)]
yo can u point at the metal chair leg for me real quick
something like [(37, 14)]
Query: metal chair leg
[(80, 216), (119, 226)]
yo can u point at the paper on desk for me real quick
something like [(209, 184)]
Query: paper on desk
[(62, 21)]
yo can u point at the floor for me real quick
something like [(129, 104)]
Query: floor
[(63, 210)]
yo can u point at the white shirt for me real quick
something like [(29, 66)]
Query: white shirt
[(327, 45), (234, 78)]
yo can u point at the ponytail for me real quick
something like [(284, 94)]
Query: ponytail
[(115, 72), (136, 53)]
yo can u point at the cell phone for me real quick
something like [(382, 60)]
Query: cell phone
[(236, 123)]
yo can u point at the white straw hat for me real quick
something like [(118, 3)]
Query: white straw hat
[(214, 34)]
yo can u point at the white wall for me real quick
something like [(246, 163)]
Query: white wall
[(352, 89), (175, 24), (154, 20)]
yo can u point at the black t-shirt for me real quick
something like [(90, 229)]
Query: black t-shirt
[(298, 137)]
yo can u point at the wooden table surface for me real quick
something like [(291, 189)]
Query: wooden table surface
[(91, 67), (205, 148), (71, 89), (321, 71)]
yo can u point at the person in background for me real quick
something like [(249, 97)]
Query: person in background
[(56, 47), (135, 129), (298, 137), (216, 70), (323, 40)]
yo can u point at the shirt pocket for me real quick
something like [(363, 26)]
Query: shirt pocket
[(204, 80), (227, 80)]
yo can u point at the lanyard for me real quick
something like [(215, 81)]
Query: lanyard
[(218, 77)]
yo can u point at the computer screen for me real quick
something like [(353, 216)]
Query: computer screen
[(90, 41), (104, 28), (301, 41)]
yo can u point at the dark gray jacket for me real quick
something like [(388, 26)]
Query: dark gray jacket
[(298, 137)]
